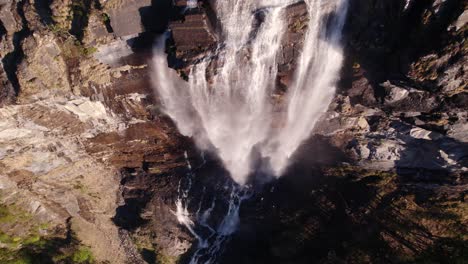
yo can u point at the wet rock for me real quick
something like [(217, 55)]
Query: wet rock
[(193, 32), (297, 22)]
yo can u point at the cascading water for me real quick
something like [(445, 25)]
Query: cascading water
[(230, 112), (226, 105), (314, 82), (210, 238)]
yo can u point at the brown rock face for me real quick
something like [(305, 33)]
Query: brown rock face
[(125, 16), (193, 32), (11, 22), (37, 81)]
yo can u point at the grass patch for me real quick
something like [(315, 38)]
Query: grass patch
[(25, 240), (73, 48), (58, 30), (82, 255)]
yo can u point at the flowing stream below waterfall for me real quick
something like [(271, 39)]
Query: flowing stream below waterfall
[(226, 105), (210, 238)]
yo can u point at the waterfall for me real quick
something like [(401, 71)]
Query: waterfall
[(226, 105)]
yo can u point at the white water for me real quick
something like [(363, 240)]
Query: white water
[(231, 112), (210, 241)]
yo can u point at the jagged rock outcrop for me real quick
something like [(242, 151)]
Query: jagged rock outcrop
[(51, 158), (37, 81), (48, 173)]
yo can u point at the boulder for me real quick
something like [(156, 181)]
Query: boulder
[(420, 133), (9, 17), (395, 93), (459, 130), (193, 32), (400, 97), (361, 91), (462, 20), (99, 29), (126, 16)]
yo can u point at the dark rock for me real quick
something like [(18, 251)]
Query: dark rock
[(297, 21), (361, 91), (193, 31), (402, 97), (462, 20), (7, 92)]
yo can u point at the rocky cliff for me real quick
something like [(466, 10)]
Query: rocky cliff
[(90, 167)]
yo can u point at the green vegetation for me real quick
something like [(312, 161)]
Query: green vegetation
[(82, 255), (58, 30), (13, 215), (149, 252), (105, 18), (165, 259), (24, 241), (73, 48), (88, 51), (298, 26), (357, 173)]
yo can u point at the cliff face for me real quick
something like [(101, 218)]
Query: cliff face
[(90, 162), (72, 127)]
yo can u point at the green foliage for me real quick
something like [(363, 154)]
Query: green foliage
[(37, 249), (12, 214), (58, 30), (88, 51), (83, 50), (82, 255), (105, 18), (165, 259), (30, 244), (299, 25), (74, 49), (5, 215), (9, 258)]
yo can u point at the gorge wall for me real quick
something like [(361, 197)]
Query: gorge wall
[(90, 166)]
